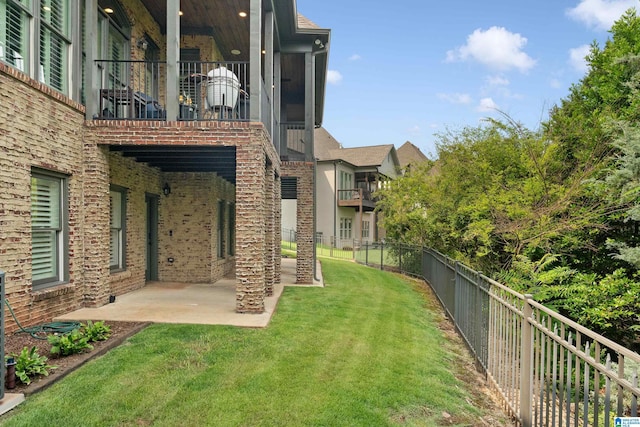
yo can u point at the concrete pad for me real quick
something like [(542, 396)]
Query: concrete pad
[(197, 303), (10, 401)]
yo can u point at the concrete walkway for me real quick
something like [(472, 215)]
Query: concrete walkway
[(195, 303)]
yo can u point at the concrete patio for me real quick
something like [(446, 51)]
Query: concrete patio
[(195, 303)]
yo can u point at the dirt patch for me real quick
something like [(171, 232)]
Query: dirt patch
[(65, 364)]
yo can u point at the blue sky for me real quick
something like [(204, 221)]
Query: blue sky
[(405, 70)]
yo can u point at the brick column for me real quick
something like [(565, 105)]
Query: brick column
[(269, 218), (305, 214), (277, 239), (96, 213), (250, 228)]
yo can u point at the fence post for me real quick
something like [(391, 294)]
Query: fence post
[(333, 242), (382, 255), (526, 355), (366, 253)]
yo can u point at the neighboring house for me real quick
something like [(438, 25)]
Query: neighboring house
[(409, 154), (346, 182), (141, 140)]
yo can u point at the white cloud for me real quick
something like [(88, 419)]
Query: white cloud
[(456, 98), (577, 58), (600, 14), (496, 48), (498, 85), (334, 77), (415, 130), (497, 81), (355, 57), (555, 83), (487, 104)]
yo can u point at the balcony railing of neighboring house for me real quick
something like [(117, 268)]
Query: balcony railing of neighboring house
[(207, 91), (292, 137), (354, 194), (356, 198)]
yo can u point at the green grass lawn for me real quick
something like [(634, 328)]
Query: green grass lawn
[(363, 351)]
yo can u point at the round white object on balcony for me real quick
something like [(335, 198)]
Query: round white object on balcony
[(223, 88)]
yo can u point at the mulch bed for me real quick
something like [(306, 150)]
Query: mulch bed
[(120, 331)]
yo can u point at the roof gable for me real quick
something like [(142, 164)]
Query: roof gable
[(409, 153)]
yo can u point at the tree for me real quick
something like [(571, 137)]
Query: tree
[(488, 198)]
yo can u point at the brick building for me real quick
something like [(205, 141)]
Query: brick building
[(147, 140)]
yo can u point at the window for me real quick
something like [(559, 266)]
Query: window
[(365, 229), (48, 229), (55, 43), (346, 183), (14, 33), (117, 248), (221, 229), (47, 32), (232, 226), (345, 228)]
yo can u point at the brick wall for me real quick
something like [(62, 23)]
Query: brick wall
[(253, 151), (269, 222), (139, 180), (304, 171), (277, 239), (189, 228), (39, 128)]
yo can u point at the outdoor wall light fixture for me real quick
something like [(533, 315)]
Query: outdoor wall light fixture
[(143, 44), (166, 190), (319, 43)]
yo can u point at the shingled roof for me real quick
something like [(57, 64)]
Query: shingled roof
[(324, 143), (410, 154), (304, 22), (327, 148), (363, 156)]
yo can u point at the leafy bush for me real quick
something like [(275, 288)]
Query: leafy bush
[(71, 343), (97, 331), (29, 364)]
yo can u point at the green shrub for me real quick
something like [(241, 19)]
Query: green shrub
[(29, 364), (71, 343), (97, 331)]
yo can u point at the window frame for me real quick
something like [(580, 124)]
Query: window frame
[(121, 230), (345, 184), (346, 228), (8, 55), (221, 233), (366, 229), (61, 232), (231, 213), (35, 27)]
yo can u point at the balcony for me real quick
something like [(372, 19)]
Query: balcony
[(134, 90), (358, 198)]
